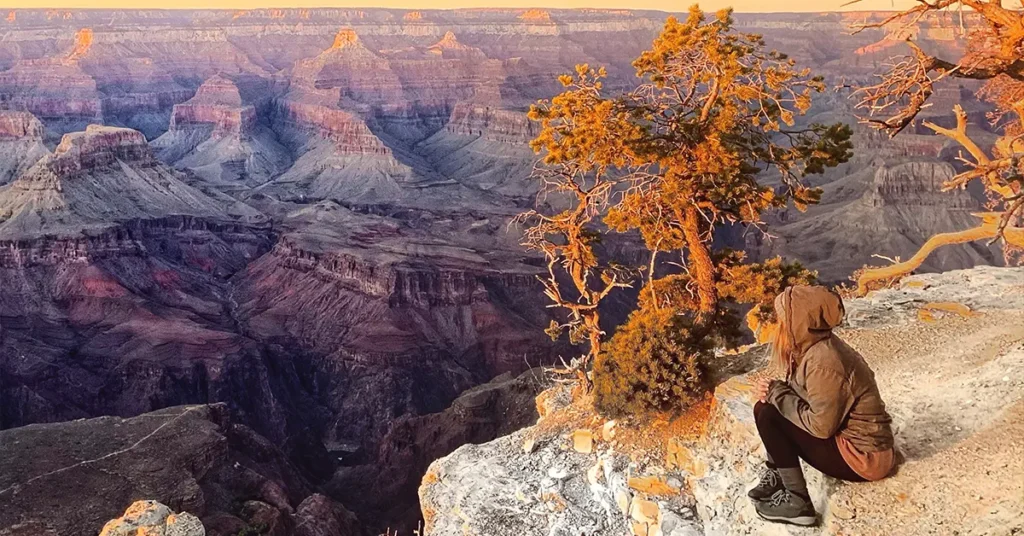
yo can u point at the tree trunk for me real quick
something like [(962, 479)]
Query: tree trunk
[(702, 268)]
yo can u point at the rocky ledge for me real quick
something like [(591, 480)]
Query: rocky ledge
[(948, 351)]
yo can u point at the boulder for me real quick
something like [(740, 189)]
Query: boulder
[(150, 518)]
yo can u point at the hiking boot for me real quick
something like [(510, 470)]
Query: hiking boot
[(770, 483), (787, 507)]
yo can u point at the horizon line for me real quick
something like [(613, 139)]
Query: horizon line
[(368, 6)]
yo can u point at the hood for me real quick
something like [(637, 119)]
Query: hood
[(811, 313)]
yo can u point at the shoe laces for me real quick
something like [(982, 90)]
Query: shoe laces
[(781, 496), (769, 478)]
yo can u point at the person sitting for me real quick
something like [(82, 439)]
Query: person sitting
[(828, 412)]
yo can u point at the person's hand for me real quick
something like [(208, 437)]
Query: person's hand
[(761, 389)]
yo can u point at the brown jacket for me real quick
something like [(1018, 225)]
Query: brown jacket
[(831, 390)]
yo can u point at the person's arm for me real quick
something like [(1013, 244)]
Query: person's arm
[(825, 408)]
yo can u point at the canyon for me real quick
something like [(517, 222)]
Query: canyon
[(286, 235)]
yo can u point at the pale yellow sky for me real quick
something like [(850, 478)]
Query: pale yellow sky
[(757, 6)]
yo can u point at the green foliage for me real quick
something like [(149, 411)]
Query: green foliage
[(757, 284), (653, 362), (656, 359)]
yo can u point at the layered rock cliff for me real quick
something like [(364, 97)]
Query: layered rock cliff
[(376, 299), (97, 179), (947, 351), (918, 184), (486, 148), (56, 91), (492, 124), (218, 135), (21, 143), (883, 210)]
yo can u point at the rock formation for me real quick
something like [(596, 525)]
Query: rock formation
[(392, 314), (218, 135), (480, 414), (95, 180), (947, 351), (21, 144), (56, 91), (151, 517), (190, 458), (485, 148), (884, 210), (359, 74)]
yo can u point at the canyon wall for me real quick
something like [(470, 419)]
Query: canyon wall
[(305, 214)]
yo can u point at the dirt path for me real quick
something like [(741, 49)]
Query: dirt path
[(955, 388)]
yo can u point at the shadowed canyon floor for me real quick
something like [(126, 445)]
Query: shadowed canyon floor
[(303, 215)]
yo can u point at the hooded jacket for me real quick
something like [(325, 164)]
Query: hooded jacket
[(831, 390)]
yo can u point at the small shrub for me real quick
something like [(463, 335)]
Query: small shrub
[(656, 361), (651, 364)]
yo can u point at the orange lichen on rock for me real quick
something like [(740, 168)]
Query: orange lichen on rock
[(554, 500), (150, 518), (646, 517), (652, 485), (679, 456), (654, 436)]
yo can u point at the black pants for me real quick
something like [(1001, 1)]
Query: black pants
[(786, 443)]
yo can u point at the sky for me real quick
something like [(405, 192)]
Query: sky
[(756, 6)]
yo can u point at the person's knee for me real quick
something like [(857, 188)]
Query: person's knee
[(764, 412), (758, 408)]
